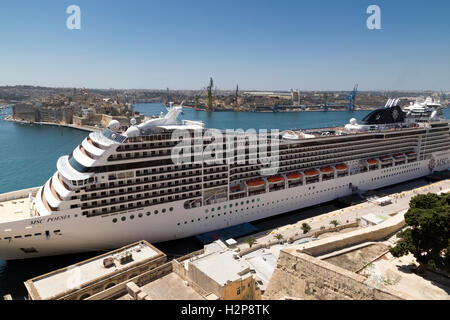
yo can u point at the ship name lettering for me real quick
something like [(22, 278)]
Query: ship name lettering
[(58, 218)]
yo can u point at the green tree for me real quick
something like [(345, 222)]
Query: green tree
[(306, 228), (278, 236), (428, 234), (250, 241), (335, 223)]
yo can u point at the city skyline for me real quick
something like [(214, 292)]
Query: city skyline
[(260, 45)]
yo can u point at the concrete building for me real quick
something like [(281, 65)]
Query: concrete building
[(224, 273), (92, 276)]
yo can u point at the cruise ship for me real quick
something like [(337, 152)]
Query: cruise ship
[(152, 181)]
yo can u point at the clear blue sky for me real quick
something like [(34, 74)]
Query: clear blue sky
[(311, 45)]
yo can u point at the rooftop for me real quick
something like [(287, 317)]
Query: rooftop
[(60, 282)]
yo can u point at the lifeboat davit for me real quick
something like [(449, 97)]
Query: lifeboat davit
[(256, 183), (341, 167), (326, 169), (275, 179), (372, 161), (294, 176), (385, 158), (399, 155), (311, 172), (410, 154)]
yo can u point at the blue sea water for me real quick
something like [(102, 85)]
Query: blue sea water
[(28, 155)]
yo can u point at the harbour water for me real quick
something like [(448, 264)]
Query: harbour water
[(29, 153)]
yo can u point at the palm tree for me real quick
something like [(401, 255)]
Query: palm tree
[(306, 228), (250, 241), (335, 223), (278, 236)]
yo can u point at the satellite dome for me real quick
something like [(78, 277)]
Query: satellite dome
[(353, 121), (133, 121), (114, 125), (132, 132)]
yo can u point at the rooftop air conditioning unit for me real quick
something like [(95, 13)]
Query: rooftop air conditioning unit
[(108, 262)]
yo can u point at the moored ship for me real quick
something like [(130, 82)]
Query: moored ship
[(123, 185)]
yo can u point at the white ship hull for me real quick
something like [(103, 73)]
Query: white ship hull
[(77, 233)]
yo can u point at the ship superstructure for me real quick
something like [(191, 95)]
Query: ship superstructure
[(119, 187)]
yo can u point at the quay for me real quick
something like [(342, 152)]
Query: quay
[(72, 126)]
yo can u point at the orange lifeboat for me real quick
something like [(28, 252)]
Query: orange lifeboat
[(255, 183), (372, 161), (341, 167), (294, 176), (410, 154), (326, 169), (311, 172), (275, 179)]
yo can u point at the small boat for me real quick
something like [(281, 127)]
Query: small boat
[(341, 167), (275, 179), (372, 161), (311, 172), (326, 170), (255, 183), (399, 155), (294, 176)]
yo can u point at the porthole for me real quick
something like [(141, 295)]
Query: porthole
[(140, 215), (156, 212), (114, 220), (148, 214), (171, 209), (131, 217), (218, 208), (163, 210), (123, 218)]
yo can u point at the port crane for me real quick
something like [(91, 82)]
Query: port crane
[(235, 99), (350, 99), (209, 96)]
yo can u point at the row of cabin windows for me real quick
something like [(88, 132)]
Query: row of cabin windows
[(180, 185), (140, 215), (38, 234), (140, 181), (139, 204), (139, 196), (394, 174)]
